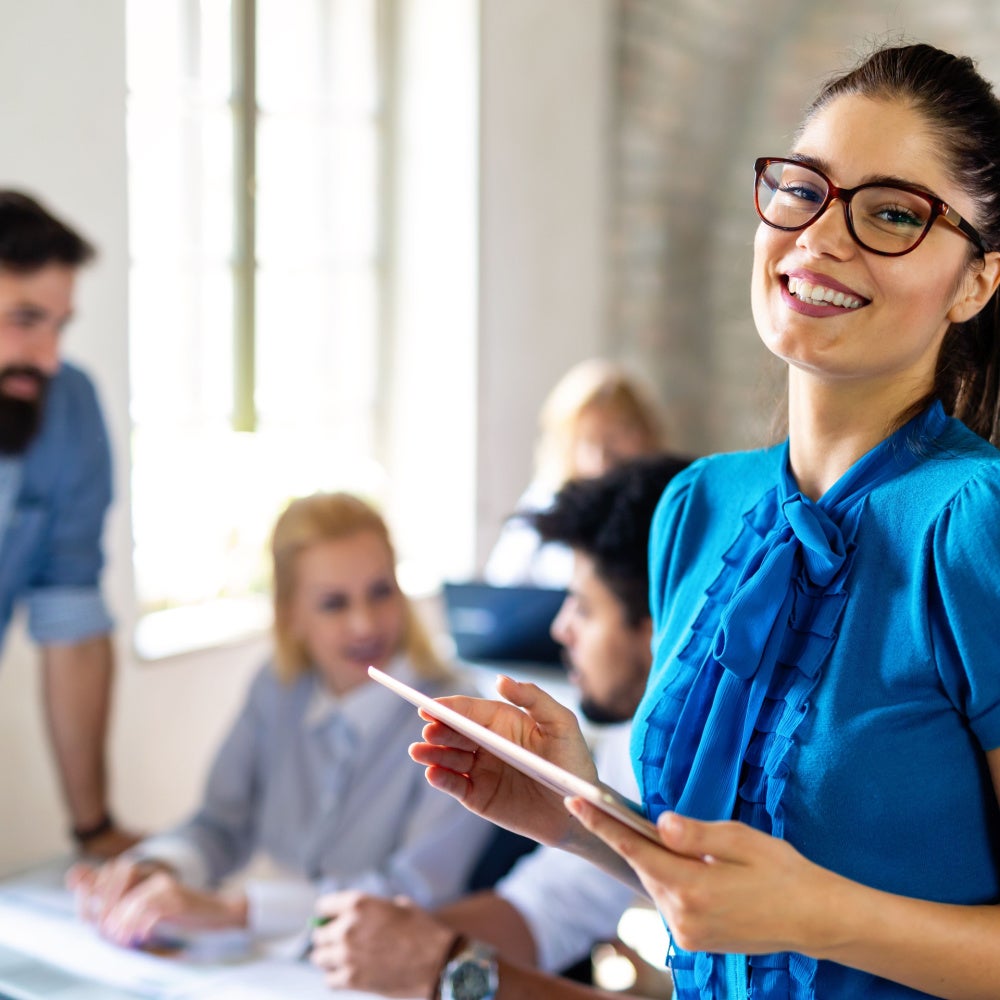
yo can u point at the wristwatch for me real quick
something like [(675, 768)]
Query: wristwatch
[(472, 974)]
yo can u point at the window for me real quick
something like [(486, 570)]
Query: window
[(265, 359)]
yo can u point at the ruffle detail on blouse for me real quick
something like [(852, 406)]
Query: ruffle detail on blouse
[(719, 740), (790, 636)]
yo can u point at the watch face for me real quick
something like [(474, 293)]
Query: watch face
[(472, 975), (470, 981)]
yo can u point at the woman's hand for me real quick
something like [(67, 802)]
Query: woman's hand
[(486, 785), (723, 887), (128, 900), (99, 888)]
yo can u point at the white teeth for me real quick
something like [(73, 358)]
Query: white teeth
[(819, 295)]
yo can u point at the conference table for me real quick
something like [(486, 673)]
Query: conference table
[(47, 952)]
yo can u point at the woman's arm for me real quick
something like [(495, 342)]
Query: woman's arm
[(724, 887)]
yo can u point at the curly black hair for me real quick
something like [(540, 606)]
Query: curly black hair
[(608, 518)]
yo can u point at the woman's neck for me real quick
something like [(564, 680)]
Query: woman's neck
[(831, 426)]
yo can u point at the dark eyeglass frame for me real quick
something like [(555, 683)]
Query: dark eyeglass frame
[(938, 208)]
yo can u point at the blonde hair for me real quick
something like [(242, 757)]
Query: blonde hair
[(325, 517), (594, 384)]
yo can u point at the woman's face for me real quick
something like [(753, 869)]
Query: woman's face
[(903, 305), (604, 438), (347, 609)]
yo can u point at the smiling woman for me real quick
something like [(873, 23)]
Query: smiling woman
[(309, 776), (819, 741)]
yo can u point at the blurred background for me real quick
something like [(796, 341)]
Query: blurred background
[(352, 244)]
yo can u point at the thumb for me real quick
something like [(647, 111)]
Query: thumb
[(540, 705), (698, 839)]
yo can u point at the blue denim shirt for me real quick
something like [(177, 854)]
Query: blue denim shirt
[(51, 555)]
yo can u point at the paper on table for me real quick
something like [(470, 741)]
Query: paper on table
[(36, 929), (41, 921)]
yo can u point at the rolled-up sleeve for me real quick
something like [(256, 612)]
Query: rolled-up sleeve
[(63, 597)]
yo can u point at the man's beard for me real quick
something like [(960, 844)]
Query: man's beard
[(601, 714), (20, 419), (592, 710)]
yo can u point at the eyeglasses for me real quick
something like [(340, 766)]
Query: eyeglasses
[(887, 219)]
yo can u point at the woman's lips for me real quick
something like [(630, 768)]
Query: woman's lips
[(816, 295)]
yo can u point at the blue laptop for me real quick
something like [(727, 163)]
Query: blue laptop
[(503, 624)]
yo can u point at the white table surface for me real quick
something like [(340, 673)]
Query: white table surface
[(47, 952)]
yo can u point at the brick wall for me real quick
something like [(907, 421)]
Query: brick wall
[(702, 88)]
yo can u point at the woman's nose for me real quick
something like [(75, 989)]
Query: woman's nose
[(362, 619), (828, 234)]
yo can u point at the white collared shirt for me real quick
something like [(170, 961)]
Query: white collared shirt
[(568, 903)]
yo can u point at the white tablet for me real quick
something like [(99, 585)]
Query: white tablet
[(542, 770)]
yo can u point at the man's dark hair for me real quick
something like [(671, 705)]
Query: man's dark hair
[(608, 519), (31, 237)]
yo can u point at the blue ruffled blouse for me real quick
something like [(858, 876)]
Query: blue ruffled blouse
[(829, 675)]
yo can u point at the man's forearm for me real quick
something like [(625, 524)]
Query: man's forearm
[(488, 917), (77, 693), (518, 982)]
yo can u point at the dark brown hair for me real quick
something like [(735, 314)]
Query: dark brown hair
[(31, 237)]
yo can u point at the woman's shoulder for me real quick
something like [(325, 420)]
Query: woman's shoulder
[(269, 694), (961, 473), (721, 481)]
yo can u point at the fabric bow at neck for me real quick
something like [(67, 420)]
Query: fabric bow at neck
[(751, 615)]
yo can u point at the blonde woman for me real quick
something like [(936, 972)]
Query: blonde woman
[(597, 416), (313, 773)]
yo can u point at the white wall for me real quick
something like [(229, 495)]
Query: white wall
[(62, 125), (546, 76), (545, 72)]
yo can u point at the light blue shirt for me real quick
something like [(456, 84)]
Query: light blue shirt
[(324, 788), (53, 502)]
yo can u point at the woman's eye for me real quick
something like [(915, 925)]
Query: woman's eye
[(382, 590), (897, 216), (802, 192), (333, 602)]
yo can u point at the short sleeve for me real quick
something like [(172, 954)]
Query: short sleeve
[(964, 603), (670, 512)]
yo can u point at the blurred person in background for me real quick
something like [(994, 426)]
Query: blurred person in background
[(55, 491), (308, 779), (550, 910), (598, 415)]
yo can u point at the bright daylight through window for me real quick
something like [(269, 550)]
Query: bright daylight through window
[(255, 266)]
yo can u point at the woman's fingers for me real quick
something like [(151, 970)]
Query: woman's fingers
[(441, 735), (434, 755), (722, 841)]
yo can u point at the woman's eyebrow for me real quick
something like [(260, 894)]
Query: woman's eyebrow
[(888, 180)]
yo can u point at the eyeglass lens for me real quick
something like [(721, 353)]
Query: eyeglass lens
[(884, 219)]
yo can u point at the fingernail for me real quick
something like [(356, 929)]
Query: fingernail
[(670, 822)]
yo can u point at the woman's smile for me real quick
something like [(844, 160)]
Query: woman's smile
[(815, 294)]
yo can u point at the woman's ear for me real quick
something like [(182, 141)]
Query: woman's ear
[(978, 287)]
